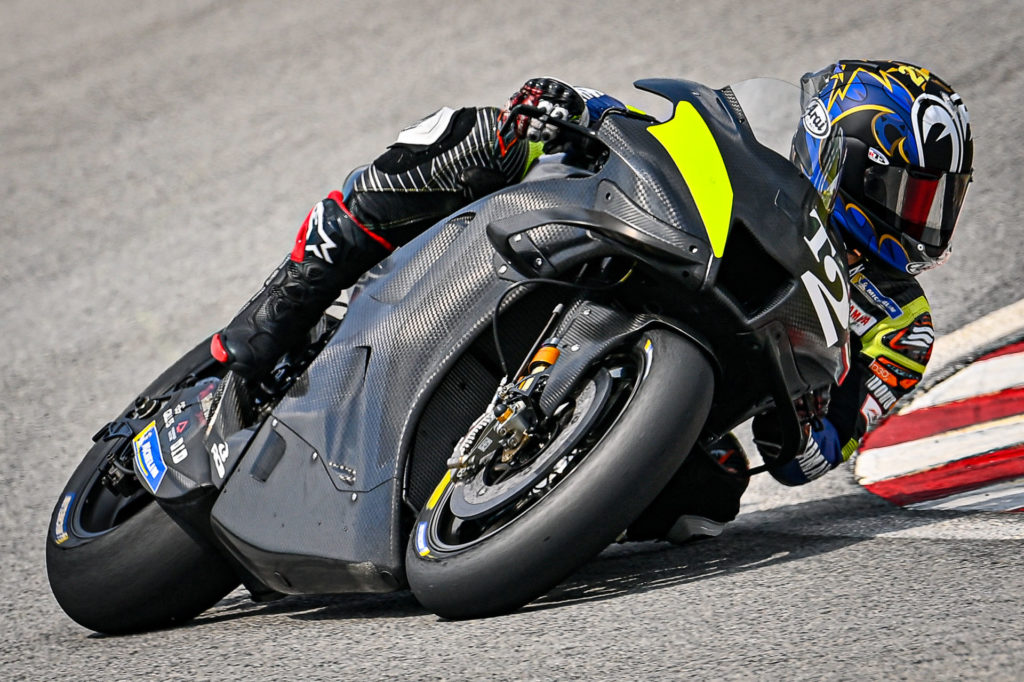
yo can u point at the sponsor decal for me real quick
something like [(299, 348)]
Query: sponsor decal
[(860, 321), (894, 375), (219, 456), (180, 407), (168, 418), (589, 93), (178, 451), (877, 156), (874, 294), (60, 526), (149, 461), (316, 221), (816, 120), (422, 548), (871, 411), (919, 337), (881, 392)]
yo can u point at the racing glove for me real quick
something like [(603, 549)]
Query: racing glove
[(820, 451), (557, 98)]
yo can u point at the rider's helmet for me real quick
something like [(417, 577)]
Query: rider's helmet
[(908, 152)]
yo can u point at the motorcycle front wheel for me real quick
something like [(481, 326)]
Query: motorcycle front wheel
[(116, 562), (469, 566)]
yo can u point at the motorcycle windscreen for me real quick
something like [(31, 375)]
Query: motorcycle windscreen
[(773, 109)]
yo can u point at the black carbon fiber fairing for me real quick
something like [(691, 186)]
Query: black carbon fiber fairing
[(316, 504)]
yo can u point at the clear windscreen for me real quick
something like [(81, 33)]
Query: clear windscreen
[(773, 109)]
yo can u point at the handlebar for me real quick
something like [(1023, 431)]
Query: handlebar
[(586, 137)]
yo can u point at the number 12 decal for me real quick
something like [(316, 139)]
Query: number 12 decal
[(823, 294)]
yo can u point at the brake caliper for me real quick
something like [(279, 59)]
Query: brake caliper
[(510, 422)]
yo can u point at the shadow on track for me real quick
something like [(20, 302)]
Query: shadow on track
[(755, 540)]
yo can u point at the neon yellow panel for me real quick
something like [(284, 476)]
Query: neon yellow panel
[(692, 147)]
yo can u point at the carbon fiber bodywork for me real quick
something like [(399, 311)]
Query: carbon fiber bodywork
[(320, 500)]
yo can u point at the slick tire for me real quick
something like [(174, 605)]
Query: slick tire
[(142, 572), (585, 511)]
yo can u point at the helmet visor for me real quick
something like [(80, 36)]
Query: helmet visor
[(924, 205)]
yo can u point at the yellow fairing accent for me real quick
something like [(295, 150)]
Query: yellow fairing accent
[(692, 147), (872, 340), (534, 151), (436, 495)]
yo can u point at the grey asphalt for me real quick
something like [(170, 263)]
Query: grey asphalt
[(156, 159)]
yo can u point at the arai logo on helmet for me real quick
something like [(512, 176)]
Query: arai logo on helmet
[(816, 119)]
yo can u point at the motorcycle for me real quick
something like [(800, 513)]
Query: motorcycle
[(665, 283)]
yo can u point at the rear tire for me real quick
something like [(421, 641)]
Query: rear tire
[(120, 564), (612, 483)]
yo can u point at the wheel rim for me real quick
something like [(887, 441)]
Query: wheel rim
[(447, 533), (96, 509), (101, 510)]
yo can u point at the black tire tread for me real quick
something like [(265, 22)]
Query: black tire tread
[(146, 573), (581, 516)]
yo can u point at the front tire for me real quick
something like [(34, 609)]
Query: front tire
[(500, 568), (119, 563)]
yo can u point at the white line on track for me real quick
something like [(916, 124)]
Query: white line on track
[(979, 378), (925, 453)]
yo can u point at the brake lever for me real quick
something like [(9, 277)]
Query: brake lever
[(545, 118)]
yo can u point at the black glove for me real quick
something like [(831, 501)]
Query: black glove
[(557, 98)]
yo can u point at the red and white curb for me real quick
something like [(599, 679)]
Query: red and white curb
[(959, 443)]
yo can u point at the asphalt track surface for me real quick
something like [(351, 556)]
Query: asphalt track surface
[(156, 160)]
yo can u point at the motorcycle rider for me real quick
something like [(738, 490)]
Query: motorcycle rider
[(908, 160)]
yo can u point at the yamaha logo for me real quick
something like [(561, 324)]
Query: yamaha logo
[(816, 119)]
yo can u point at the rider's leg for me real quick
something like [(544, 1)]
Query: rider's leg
[(332, 249), (700, 499), (433, 169)]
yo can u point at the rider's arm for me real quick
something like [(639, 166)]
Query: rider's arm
[(454, 157), (890, 358), (434, 168)]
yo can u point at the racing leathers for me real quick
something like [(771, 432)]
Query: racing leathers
[(435, 167), (891, 341), (453, 157)]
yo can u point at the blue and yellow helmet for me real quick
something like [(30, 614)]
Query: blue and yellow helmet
[(906, 137)]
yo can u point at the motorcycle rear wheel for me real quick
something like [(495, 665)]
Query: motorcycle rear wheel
[(524, 550), (119, 564)]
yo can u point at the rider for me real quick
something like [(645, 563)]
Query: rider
[(908, 154)]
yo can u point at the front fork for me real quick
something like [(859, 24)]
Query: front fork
[(513, 418)]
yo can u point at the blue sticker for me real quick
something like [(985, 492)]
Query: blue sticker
[(869, 289), (149, 461), (422, 548), (60, 526)]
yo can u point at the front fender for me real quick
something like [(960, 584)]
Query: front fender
[(589, 332)]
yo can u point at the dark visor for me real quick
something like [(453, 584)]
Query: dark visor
[(922, 204)]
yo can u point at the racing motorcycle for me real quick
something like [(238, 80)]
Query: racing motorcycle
[(502, 397)]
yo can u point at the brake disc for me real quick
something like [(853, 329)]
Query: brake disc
[(475, 497)]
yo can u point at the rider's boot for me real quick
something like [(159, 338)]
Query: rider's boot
[(700, 499), (713, 498), (332, 250)]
